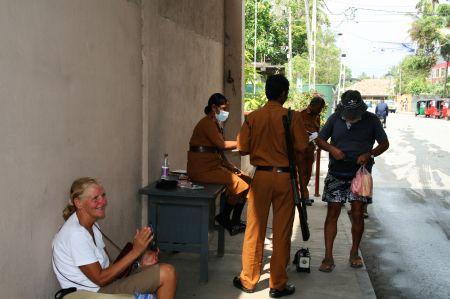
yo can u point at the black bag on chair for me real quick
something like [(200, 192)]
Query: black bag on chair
[(63, 292)]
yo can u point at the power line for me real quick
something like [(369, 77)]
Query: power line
[(402, 46), (404, 12), (374, 21), (351, 11), (336, 14), (385, 10)]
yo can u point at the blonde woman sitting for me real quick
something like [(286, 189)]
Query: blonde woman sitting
[(81, 261)]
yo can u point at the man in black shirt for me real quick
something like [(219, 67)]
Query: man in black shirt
[(353, 132)]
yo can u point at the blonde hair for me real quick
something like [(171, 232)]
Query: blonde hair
[(76, 190)]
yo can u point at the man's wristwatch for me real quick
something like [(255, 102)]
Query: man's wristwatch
[(371, 154)]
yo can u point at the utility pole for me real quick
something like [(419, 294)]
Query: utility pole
[(312, 63), (290, 45), (308, 34), (341, 85), (254, 50), (446, 77)]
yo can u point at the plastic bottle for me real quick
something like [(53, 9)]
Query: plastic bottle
[(144, 296), (165, 168)]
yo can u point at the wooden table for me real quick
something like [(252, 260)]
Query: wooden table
[(181, 219)]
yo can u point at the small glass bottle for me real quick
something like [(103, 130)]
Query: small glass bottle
[(165, 168)]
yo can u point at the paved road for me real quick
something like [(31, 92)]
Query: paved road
[(406, 244)]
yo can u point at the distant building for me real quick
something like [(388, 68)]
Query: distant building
[(438, 71), (373, 89)]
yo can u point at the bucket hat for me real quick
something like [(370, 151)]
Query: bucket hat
[(352, 106)]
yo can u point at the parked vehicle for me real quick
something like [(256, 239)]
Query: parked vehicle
[(430, 110), (445, 110), (370, 106), (438, 112), (392, 106), (420, 107), (433, 107)]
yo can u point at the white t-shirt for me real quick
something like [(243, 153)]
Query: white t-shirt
[(73, 246)]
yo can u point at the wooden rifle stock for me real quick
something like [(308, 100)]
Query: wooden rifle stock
[(299, 200)]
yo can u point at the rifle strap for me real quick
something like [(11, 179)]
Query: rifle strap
[(289, 116), (289, 120)]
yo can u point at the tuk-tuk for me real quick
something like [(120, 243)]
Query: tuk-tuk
[(445, 111), (430, 108), (420, 107), (438, 110)]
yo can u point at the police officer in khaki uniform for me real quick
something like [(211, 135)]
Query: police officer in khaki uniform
[(207, 163), (311, 119), (262, 136)]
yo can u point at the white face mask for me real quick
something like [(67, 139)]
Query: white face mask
[(222, 115)]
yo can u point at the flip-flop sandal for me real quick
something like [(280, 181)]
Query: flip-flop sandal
[(327, 265), (355, 261)]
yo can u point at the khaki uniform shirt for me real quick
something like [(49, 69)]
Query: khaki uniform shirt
[(311, 121), (312, 124), (211, 167), (206, 133), (262, 136)]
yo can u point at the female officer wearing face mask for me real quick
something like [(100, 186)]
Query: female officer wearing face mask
[(207, 163)]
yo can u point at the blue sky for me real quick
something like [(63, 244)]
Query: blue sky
[(372, 32)]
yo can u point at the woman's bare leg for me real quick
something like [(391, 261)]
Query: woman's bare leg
[(167, 282)]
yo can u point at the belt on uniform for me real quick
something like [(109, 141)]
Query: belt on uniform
[(272, 168), (203, 149)]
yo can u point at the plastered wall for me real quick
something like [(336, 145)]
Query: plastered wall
[(100, 88), (70, 106), (183, 48)]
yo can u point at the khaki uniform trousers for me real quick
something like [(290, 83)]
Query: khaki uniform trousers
[(268, 188), (306, 166)]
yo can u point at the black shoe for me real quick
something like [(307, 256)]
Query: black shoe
[(223, 221), (288, 290), (309, 202), (237, 229), (238, 284)]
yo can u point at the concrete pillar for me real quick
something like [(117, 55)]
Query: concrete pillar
[(234, 68)]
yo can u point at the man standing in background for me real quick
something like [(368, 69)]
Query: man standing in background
[(382, 111), (311, 119)]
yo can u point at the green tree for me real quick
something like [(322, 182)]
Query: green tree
[(272, 33), (444, 40), (427, 6), (299, 101), (327, 60), (414, 71), (272, 42), (348, 76), (426, 32)]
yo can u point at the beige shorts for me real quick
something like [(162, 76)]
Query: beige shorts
[(82, 294), (144, 280)]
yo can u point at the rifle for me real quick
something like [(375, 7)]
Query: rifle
[(299, 200)]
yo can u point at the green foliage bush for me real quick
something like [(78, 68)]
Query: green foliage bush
[(297, 101)]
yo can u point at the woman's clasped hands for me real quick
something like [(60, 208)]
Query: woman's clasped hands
[(141, 241)]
